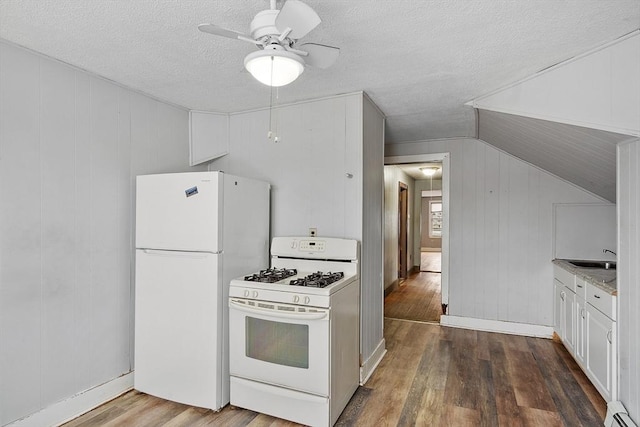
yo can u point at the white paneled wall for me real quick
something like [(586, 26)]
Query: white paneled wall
[(307, 168), (70, 147), (393, 175), (501, 241), (371, 291), (598, 90), (325, 169), (629, 277)]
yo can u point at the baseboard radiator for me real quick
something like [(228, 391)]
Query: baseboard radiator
[(617, 416)]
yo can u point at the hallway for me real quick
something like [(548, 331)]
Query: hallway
[(418, 297)]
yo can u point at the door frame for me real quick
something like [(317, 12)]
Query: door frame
[(445, 159), (403, 229)]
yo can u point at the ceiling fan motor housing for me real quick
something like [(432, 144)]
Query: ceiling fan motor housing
[(264, 24)]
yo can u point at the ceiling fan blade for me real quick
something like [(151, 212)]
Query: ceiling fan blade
[(320, 56), (219, 31), (298, 17)]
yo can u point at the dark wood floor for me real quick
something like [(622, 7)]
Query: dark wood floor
[(416, 298), (430, 376)]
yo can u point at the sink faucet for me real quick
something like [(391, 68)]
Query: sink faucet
[(604, 251)]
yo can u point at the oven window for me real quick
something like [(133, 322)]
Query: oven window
[(277, 342)]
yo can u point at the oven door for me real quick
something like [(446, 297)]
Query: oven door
[(280, 344)]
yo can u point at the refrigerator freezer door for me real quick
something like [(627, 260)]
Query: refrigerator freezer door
[(178, 328), (179, 211)]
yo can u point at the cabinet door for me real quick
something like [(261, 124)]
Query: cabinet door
[(581, 319), (558, 312), (569, 311), (599, 351)]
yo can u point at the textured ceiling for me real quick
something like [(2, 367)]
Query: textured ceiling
[(418, 60), (583, 156)]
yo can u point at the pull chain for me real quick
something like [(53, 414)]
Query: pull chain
[(271, 134)]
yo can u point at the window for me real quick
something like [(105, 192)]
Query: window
[(435, 219)]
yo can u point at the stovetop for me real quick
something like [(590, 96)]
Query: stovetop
[(318, 279), (271, 275), (304, 270), (317, 286)]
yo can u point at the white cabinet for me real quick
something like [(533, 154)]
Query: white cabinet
[(569, 337), (564, 308), (558, 308), (208, 136), (581, 319), (600, 352), (584, 319)]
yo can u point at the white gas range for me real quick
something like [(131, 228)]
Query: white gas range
[(294, 334)]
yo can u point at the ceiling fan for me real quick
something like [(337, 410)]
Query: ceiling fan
[(276, 33)]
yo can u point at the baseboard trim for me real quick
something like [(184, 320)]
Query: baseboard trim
[(499, 326), (392, 287), (372, 362), (66, 410)]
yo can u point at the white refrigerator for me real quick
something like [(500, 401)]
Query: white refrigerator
[(194, 233)]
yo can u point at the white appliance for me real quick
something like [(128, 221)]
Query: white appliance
[(194, 233), (294, 331)]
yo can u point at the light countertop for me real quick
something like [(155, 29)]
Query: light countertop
[(598, 277)]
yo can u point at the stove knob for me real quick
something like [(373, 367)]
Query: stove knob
[(307, 300), (246, 294), (255, 294), (296, 298)]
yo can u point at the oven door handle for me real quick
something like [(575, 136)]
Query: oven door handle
[(276, 313)]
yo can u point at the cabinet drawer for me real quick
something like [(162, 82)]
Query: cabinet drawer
[(601, 300), (566, 278), (581, 288)]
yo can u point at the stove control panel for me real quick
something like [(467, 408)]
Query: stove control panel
[(315, 248), (297, 299), (311, 246), (239, 290)]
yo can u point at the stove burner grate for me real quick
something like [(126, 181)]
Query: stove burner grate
[(318, 280), (271, 275)]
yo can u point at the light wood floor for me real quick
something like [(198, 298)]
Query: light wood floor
[(430, 376), (431, 262)]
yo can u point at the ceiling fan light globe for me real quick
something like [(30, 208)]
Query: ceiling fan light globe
[(286, 67), (429, 171)]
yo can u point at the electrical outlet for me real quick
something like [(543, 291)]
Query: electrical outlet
[(313, 232)]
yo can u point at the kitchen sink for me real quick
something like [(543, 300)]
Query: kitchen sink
[(607, 265)]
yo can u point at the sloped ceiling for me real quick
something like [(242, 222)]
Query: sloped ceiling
[(585, 157), (418, 60)]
